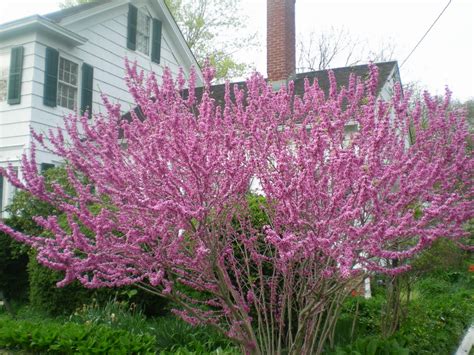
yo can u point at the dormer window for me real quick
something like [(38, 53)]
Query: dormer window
[(143, 32)]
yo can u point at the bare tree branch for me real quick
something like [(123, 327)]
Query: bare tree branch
[(337, 47)]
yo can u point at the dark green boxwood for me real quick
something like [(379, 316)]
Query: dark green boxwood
[(47, 297), (13, 272)]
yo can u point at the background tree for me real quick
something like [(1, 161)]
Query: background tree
[(70, 3), (336, 47), (213, 29)]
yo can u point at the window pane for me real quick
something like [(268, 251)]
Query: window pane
[(143, 32), (67, 84), (4, 71)]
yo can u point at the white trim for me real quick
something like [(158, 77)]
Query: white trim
[(38, 22)]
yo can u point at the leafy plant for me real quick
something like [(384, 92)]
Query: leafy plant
[(52, 337), (372, 346)]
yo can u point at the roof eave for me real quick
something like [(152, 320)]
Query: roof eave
[(38, 23)]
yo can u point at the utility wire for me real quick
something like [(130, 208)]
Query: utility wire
[(426, 33)]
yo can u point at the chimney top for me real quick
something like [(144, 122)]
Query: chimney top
[(281, 42)]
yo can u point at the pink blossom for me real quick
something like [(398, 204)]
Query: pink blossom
[(335, 207)]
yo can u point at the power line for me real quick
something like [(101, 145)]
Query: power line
[(426, 33)]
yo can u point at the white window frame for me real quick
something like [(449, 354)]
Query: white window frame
[(7, 193), (5, 76), (143, 38), (69, 85)]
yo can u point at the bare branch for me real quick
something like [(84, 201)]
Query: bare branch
[(337, 47)]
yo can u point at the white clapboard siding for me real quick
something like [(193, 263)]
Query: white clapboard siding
[(105, 50), (14, 119)]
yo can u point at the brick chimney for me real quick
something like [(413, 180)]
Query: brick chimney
[(281, 42)]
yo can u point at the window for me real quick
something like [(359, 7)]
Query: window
[(67, 84), (4, 71), (143, 32)]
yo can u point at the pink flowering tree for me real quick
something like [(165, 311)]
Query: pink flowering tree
[(169, 192)]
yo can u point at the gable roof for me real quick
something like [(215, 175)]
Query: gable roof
[(57, 16), (386, 70), (342, 76)]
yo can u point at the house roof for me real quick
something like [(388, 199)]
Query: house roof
[(37, 22), (342, 75), (57, 16), (342, 78)]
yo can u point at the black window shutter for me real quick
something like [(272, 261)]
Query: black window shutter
[(14, 80), (132, 27), (87, 88), (51, 77), (156, 41)]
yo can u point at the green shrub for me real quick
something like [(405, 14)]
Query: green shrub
[(433, 286), (173, 333), (13, 272), (441, 309), (199, 350), (52, 337), (115, 314), (150, 304), (444, 255), (46, 296), (367, 319), (258, 215), (372, 345), (435, 324)]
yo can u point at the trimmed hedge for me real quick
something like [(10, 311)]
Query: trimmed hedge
[(70, 338)]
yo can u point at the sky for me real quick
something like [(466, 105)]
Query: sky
[(445, 57)]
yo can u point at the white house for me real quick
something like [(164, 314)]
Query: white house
[(59, 63)]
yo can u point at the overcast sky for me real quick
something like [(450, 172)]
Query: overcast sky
[(445, 57)]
